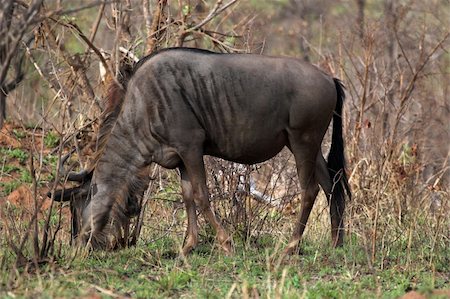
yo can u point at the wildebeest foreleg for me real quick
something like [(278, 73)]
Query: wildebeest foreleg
[(196, 171), (191, 238)]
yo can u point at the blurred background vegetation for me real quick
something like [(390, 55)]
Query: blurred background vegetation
[(57, 58)]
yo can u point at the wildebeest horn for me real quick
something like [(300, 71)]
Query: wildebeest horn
[(78, 176), (70, 193), (72, 176), (82, 177)]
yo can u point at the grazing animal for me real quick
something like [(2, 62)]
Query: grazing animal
[(180, 104)]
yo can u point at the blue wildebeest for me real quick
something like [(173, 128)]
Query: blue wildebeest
[(179, 104)]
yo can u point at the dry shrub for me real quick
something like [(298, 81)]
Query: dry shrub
[(253, 200), (399, 165)]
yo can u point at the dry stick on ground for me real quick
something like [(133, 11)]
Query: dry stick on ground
[(34, 179), (38, 251), (32, 225), (375, 229), (143, 204), (268, 204), (46, 246)]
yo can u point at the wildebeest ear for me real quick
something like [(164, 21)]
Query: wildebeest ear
[(70, 193)]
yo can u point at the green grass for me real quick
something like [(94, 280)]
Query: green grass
[(20, 174), (19, 134), (16, 153), (8, 187), (23, 177), (51, 140), (156, 271), (8, 169)]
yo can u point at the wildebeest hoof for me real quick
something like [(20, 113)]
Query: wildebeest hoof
[(227, 247), (187, 249), (336, 243), (291, 250), (190, 242)]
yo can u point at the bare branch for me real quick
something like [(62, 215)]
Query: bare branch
[(147, 17), (217, 9), (410, 87), (97, 23), (155, 27), (90, 45)]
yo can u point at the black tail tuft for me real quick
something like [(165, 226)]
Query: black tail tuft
[(336, 169), (336, 158)]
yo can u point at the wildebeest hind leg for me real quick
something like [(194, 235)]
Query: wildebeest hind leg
[(305, 158), (191, 238), (196, 171)]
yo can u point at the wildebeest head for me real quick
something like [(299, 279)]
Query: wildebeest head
[(77, 196), (116, 233)]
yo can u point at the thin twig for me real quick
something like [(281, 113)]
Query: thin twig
[(217, 9)]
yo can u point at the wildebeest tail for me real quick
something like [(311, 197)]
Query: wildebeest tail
[(336, 158)]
